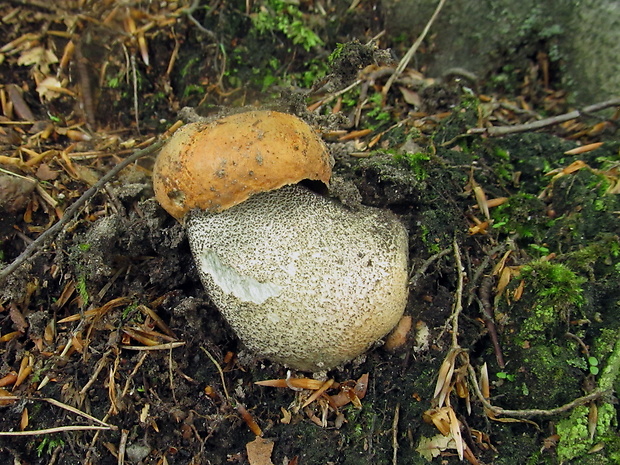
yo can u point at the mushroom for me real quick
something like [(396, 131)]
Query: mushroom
[(301, 279)]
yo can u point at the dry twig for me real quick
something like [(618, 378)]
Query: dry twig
[(534, 125), (458, 298), (488, 317), (395, 434), (428, 262), (219, 369), (43, 240), (528, 413), (409, 55)]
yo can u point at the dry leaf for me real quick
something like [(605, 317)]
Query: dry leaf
[(411, 97), (38, 56), (17, 318), (5, 393), (430, 448), (286, 416), (45, 173), (259, 451), (48, 88), (23, 424)]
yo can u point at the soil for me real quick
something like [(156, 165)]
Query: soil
[(538, 272)]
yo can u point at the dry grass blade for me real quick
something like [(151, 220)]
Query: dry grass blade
[(584, 149), (157, 319), (300, 383), (481, 200), (219, 370), (97, 312), (455, 430), (444, 377), (167, 346), (315, 395)]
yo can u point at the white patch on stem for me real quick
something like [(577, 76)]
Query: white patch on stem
[(244, 288)]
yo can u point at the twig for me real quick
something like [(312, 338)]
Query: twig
[(171, 377), (134, 75), (219, 369), (112, 408), (86, 91), (534, 125), (133, 373), (509, 243), (41, 242), (169, 345), (58, 429), (489, 318), (103, 361), (122, 447), (458, 298), (409, 55), (189, 12), (528, 413), (337, 94), (57, 403), (428, 262), (395, 435)]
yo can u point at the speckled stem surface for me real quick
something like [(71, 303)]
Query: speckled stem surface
[(301, 279)]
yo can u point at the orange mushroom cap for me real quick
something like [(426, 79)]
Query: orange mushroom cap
[(214, 166)]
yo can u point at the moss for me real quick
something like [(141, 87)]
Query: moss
[(574, 435), (417, 163), (531, 155), (518, 446), (278, 17), (524, 214), (576, 441), (554, 290), (550, 379)]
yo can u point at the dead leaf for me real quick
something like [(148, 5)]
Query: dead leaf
[(259, 451), (5, 393), (38, 56), (23, 424), (286, 416), (45, 173), (430, 448), (48, 89), (17, 318), (411, 97)]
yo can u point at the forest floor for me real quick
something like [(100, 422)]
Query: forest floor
[(111, 351)]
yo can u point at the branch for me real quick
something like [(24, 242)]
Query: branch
[(534, 125), (534, 412), (44, 239)]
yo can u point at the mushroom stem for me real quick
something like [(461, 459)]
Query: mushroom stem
[(301, 279)]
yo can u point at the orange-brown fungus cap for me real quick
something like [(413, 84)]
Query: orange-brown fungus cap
[(213, 166)]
